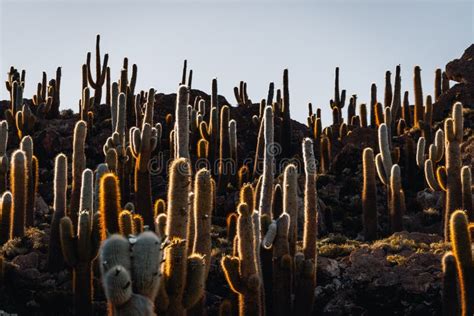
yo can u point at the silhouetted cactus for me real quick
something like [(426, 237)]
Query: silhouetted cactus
[(224, 151), (369, 195), (397, 201), (466, 182), (3, 155), (450, 296), (100, 73), (5, 216)]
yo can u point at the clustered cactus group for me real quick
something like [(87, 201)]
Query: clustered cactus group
[(154, 255)]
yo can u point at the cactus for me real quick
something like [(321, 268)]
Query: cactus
[(437, 84), (55, 258), (5, 216), (126, 224), (310, 201), (384, 158), (461, 243), (290, 204), (3, 155), (397, 201), (286, 124), (369, 196), (453, 130), (79, 250), (466, 181), (100, 74), (19, 181), (131, 273), (397, 95), (178, 191), (388, 94), (282, 268), (451, 304), (109, 205), (265, 201), (142, 145), (78, 166), (418, 112), (325, 152), (241, 271), (182, 123), (224, 150), (202, 216)]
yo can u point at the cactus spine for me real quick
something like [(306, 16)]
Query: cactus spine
[(369, 195)]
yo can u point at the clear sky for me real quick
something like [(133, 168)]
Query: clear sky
[(238, 40)]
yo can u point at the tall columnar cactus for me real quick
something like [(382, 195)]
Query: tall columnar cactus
[(182, 123), (184, 273), (55, 257), (286, 124), (241, 271), (461, 243), (3, 155), (310, 201), (26, 145), (450, 296), (18, 184), (418, 96), (5, 216), (453, 130), (282, 268), (305, 263), (202, 209), (131, 273), (325, 152), (233, 147), (109, 204), (369, 195), (290, 203), (373, 102), (79, 250), (466, 181), (265, 201), (384, 158), (437, 84), (224, 150), (397, 96), (100, 73), (78, 166), (142, 145), (397, 201), (388, 93)]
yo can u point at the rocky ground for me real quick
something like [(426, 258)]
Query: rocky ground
[(398, 275)]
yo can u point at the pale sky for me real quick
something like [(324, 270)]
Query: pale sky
[(238, 40)]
